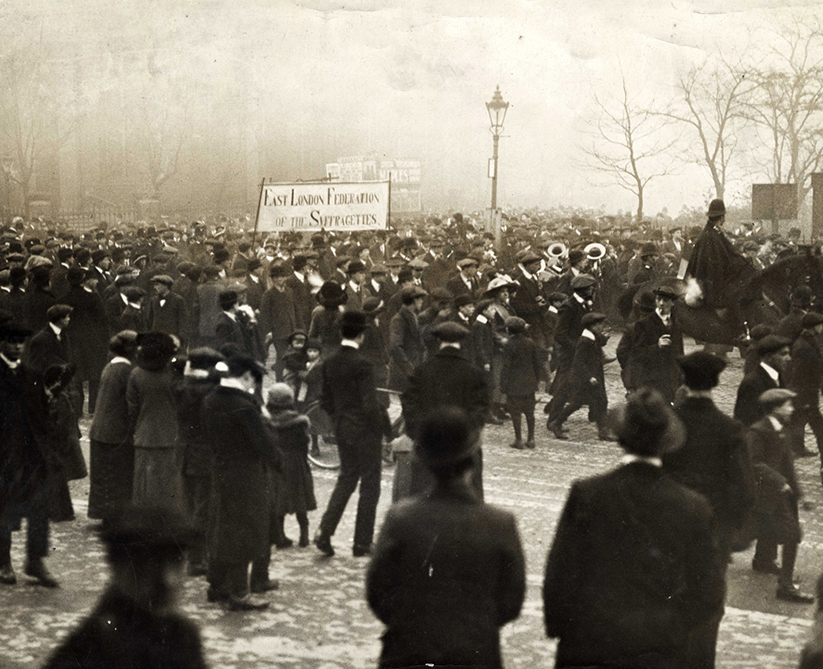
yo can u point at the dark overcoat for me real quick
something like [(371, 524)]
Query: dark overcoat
[(714, 461), (88, 332), (172, 317), (806, 371), (747, 407), (632, 570), (649, 364), (567, 332), (447, 573), (117, 634), (522, 366), (406, 348), (45, 350), (241, 504)]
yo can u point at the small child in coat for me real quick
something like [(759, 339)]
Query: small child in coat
[(587, 381), (294, 486), (306, 382), (519, 378)]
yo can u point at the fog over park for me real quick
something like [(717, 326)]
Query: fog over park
[(195, 101)]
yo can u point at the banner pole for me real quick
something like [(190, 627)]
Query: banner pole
[(257, 215), (388, 218)]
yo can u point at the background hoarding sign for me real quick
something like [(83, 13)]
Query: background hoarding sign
[(774, 202), (328, 205), (404, 174)]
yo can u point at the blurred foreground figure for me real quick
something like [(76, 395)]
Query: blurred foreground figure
[(633, 569), (135, 624), (448, 570)]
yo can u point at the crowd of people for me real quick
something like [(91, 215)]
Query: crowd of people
[(165, 337)]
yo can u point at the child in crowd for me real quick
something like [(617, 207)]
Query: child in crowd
[(587, 380), (306, 382), (519, 378), (294, 489)]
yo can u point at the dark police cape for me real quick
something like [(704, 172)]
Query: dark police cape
[(723, 273)]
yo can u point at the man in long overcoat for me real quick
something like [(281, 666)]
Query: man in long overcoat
[(805, 378), (24, 458), (448, 570), (715, 462), (406, 348), (774, 356), (633, 570), (240, 505), (447, 379)]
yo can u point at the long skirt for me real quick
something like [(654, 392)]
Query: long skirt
[(111, 478), (158, 479)]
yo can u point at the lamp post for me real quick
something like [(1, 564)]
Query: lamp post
[(497, 114), (8, 164)]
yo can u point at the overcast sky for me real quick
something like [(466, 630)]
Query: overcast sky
[(410, 78)]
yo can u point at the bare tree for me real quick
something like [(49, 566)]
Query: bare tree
[(628, 143), (787, 105), (37, 115), (712, 102)]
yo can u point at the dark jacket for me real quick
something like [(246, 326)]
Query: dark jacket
[(242, 451), (45, 350), (152, 411), (117, 634), (649, 364), (632, 570), (190, 394), (172, 317), (714, 461), (448, 571), (349, 394), (522, 365), (87, 332), (447, 379), (567, 332), (111, 413), (406, 347), (24, 437), (747, 407), (806, 371), (277, 314)]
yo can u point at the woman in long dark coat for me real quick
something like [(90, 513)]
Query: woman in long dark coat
[(112, 450)]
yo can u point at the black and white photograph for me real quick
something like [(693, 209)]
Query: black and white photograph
[(402, 334)]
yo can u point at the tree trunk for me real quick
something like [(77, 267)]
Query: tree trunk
[(639, 205)]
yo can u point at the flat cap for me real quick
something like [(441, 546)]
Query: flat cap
[(592, 318), (449, 331), (515, 325), (775, 397), (582, 281), (771, 343), (701, 370), (163, 278), (467, 261)]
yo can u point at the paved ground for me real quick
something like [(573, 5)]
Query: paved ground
[(319, 618)]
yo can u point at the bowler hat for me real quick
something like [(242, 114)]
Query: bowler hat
[(701, 370), (331, 295), (354, 267), (279, 270), (716, 208), (373, 306), (352, 323), (445, 439), (575, 256), (648, 426), (280, 396), (204, 358)]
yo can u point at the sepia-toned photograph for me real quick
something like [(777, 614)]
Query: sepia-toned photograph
[(405, 334)]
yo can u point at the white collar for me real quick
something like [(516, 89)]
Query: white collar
[(526, 273), (231, 315), (13, 364), (578, 298), (588, 334), (300, 276), (55, 329), (231, 382), (774, 375), (354, 286), (629, 458), (350, 343), (552, 309), (667, 320), (575, 271), (118, 359), (87, 289), (124, 298), (255, 279), (6, 288), (776, 424)]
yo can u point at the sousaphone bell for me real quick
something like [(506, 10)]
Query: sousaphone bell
[(595, 251)]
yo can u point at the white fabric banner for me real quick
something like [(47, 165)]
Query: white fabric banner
[(331, 206)]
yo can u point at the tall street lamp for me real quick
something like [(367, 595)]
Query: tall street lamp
[(497, 115)]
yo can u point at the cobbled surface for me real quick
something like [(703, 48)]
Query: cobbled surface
[(319, 619)]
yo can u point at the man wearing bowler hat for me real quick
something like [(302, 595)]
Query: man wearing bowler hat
[(24, 466), (714, 461), (656, 343), (360, 421)]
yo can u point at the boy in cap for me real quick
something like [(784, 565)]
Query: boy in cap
[(519, 378), (166, 311), (779, 493), (586, 382), (135, 623)]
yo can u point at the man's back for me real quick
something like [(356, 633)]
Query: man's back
[(348, 388)]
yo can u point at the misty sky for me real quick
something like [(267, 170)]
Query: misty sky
[(410, 78)]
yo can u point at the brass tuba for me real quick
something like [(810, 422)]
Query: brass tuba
[(557, 250), (595, 251)]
